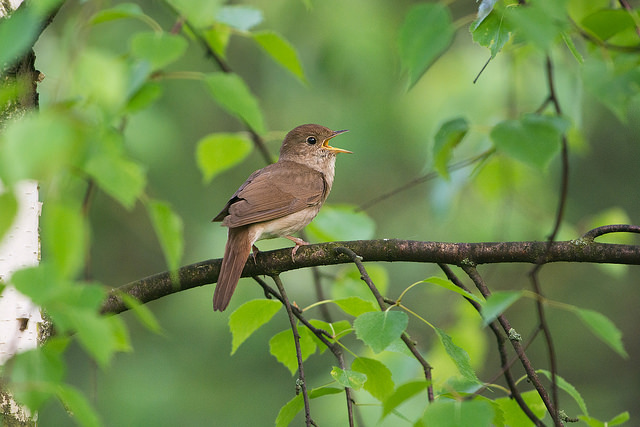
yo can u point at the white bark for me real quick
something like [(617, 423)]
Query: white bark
[(20, 319)]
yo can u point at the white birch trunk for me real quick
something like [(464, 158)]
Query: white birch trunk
[(20, 319)]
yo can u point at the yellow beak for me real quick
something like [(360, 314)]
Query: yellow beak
[(325, 143)]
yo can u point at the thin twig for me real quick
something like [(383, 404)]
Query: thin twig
[(504, 359), (317, 286), (533, 274), (614, 228), (364, 275), (427, 177), (473, 274), (224, 66), (625, 4), (296, 339), (322, 335)]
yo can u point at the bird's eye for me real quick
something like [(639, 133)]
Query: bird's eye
[(311, 140)]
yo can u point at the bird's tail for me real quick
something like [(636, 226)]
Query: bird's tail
[(235, 256)]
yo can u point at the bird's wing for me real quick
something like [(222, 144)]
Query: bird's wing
[(273, 192)]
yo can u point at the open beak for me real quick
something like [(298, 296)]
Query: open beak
[(326, 146)]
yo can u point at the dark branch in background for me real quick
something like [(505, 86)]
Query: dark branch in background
[(386, 250), (533, 274), (473, 274), (421, 179), (502, 350), (626, 6), (296, 340), (608, 229), (224, 66)]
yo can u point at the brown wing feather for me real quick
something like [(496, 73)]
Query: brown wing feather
[(280, 181)]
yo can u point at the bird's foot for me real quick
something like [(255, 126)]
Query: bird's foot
[(299, 242), (254, 252)]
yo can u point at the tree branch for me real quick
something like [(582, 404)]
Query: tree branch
[(390, 250), (411, 346), (473, 274), (296, 339)]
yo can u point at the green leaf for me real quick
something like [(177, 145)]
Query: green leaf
[(282, 347), (337, 330), (534, 139), (568, 41), (247, 318), (8, 211), (281, 51), (484, 9), (143, 97), (379, 329), (233, 94), (169, 229), (120, 11), (603, 328), (447, 138), (513, 415), (341, 222), (379, 382), (121, 178), (539, 22), (497, 303), (448, 284), (355, 306), (240, 17), (606, 23), (38, 146), (619, 419), (493, 32), (40, 283), (101, 79), (199, 13), (218, 152), (448, 413), (569, 388), (217, 38), (458, 355), (75, 308), (64, 237), (591, 421), (402, 394), (613, 86), (289, 411), (349, 283), (36, 373), (427, 31), (77, 405), (159, 49), (141, 311), (291, 408), (18, 34), (120, 333), (347, 378)]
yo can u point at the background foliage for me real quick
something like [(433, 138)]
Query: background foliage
[(133, 104)]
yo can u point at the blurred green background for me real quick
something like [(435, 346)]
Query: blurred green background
[(348, 50)]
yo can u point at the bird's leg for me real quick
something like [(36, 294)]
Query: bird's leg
[(254, 252), (299, 242)]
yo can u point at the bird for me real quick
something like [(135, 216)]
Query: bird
[(276, 201)]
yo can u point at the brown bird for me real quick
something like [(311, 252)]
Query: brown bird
[(277, 201)]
